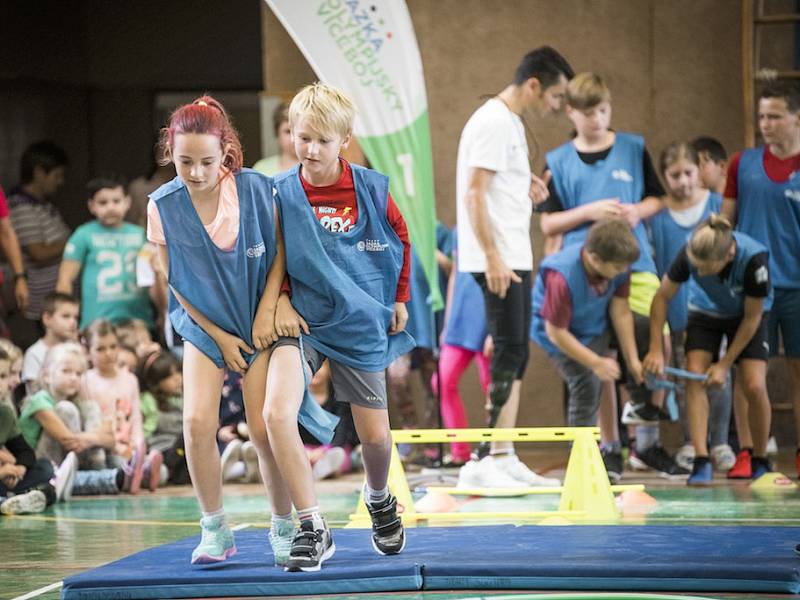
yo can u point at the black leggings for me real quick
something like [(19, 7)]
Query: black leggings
[(509, 322)]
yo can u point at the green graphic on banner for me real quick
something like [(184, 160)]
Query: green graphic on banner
[(405, 156)]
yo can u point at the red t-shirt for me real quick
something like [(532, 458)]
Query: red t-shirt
[(336, 208), (557, 308), (3, 205), (777, 170)]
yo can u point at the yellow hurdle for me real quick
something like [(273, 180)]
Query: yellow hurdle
[(585, 495)]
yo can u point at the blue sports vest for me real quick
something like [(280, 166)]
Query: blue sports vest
[(225, 286), (770, 213), (344, 284), (589, 309), (466, 322), (725, 298), (619, 175), (667, 239)]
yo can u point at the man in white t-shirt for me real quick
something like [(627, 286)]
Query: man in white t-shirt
[(494, 198)]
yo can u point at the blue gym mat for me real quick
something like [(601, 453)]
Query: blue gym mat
[(603, 558)]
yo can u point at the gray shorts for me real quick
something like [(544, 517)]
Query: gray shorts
[(362, 388)]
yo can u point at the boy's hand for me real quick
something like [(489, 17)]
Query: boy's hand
[(610, 207), (488, 346), (538, 191), (606, 368), (264, 333), (288, 321), (654, 363), (399, 318), (717, 374), (498, 276), (231, 347), (635, 370)]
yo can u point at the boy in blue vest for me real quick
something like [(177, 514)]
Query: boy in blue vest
[(762, 198), (347, 257), (579, 292), (729, 295), (607, 173), (104, 253)]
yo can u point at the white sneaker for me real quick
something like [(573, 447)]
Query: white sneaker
[(484, 473), (64, 478), (23, 504), (723, 458), (250, 458), (772, 446), (685, 457), (511, 465), (231, 455), (329, 463)]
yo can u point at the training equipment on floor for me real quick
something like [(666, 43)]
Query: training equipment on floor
[(620, 558)]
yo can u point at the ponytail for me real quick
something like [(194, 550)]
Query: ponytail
[(712, 239)]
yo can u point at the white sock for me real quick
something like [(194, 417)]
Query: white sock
[(217, 513), (376, 496)]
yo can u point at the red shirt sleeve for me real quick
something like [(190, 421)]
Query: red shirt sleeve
[(557, 308), (624, 290), (3, 205), (731, 184), (398, 223), (286, 286)]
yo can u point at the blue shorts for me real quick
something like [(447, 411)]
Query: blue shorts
[(785, 317)]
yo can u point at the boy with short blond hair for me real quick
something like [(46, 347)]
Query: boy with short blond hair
[(347, 257), (103, 252)]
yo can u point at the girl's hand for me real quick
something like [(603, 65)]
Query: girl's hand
[(288, 322), (226, 433), (601, 209), (654, 363), (7, 457), (635, 371), (717, 374), (264, 334), (231, 348), (630, 213), (399, 318)]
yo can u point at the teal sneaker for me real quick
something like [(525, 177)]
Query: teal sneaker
[(281, 535), (216, 544)]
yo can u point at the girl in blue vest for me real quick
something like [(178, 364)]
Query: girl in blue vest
[(729, 294), (215, 229), (603, 173), (687, 204), (346, 260)]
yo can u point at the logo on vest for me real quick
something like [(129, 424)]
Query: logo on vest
[(256, 251), (621, 175), (792, 195), (371, 246)]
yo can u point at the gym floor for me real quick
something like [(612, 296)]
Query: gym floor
[(39, 550)]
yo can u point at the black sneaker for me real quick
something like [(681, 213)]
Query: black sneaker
[(310, 548), (613, 462), (388, 536), (660, 461), (643, 414)]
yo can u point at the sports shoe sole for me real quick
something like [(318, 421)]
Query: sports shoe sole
[(207, 559), (382, 553), (24, 504), (329, 552)]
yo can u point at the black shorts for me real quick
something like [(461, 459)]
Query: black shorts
[(705, 333)]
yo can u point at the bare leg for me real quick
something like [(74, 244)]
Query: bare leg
[(508, 417), (202, 388), (740, 413), (285, 388), (753, 375), (698, 362), (607, 414), (372, 425), (794, 372), (254, 390)]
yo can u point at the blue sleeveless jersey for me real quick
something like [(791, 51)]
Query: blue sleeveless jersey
[(619, 175), (226, 286), (667, 238), (725, 298), (770, 213), (466, 321), (344, 284), (589, 309)]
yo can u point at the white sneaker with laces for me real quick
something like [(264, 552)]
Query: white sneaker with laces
[(723, 458), (250, 458), (484, 473), (511, 465), (329, 463), (231, 455), (64, 478), (30, 502), (685, 457)]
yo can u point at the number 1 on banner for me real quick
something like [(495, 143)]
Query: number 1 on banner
[(406, 163)]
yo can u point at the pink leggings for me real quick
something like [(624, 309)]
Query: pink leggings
[(453, 361)]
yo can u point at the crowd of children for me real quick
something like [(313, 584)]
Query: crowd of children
[(263, 333)]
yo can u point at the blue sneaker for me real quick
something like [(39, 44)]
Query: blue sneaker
[(761, 466), (281, 534), (216, 544), (702, 474)]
